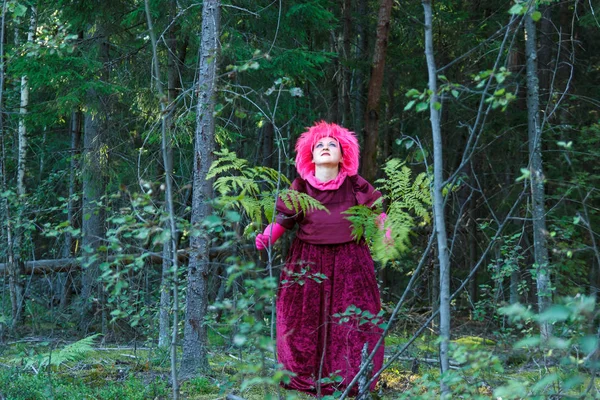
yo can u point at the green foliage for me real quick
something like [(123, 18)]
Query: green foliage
[(300, 202), (406, 198), (16, 385), (139, 224), (474, 369), (248, 313), (571, 350), (304, 274), (71, 352), (360, 317), (253, 189), (200, 385)]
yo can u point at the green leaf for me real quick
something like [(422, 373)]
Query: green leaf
[(422, 106), (296, 92), (525, 174), (572, 382), (212, 220), (555, 313), (536, 16), (566, 145), (409, 105), (517, 9), (143, 234), (530, 341), (20, 10), (239, 340), (437, 105), (455, 93), (545, 381), (412, 93)]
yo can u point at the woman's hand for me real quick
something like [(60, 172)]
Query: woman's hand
[(269, 236), (388, 240), (262, 241)]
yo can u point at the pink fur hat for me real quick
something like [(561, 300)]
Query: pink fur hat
[(306, 143)]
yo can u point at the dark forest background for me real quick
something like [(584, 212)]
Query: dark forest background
[(114, 229)]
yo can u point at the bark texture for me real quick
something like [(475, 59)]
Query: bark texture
[(538, 208), (94, 164), (438, 197), (195, 357), (369, 154), (16, 285)]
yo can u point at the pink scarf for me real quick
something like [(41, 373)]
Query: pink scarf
[(332, 184)]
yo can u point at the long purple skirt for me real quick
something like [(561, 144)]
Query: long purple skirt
[(317, 282)]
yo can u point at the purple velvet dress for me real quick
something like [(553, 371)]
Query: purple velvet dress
[(326, 271)]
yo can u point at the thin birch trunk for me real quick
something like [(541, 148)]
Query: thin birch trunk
[(4, 212), (369, 154), (16, 283), (438, 198), (165, 286), (538, 208), (195, 358), (167, 160)]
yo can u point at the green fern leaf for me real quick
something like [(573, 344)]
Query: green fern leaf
[(408, 199), (71, 352), (300, 202), (250, 189)]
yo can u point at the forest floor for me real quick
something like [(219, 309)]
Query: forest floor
[(52, 364)]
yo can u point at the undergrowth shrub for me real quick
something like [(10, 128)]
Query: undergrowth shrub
[(18, 385)]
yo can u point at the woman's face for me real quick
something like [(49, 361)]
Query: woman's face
[(327, 151)]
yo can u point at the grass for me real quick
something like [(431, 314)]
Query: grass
[(128, 373), (139, 372)]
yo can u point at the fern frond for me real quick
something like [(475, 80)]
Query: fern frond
[(300, 202), (252, 207), (270, 177), (408, 198), (226, 161), (267, 204), (71, 352)]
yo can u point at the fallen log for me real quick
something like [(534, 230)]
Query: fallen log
[(41, 267)]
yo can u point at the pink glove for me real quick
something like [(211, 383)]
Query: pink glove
[(388, 232), (269, 236)]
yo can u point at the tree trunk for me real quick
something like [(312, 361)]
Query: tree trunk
[(358, 78), (438, 198), (345, 86), (333, 113), (165, 285), (4, 212), (538, 212), (167, 153), (195, 340), (95, 161), (76, 122), (472, 244), (369, 154), (17, 287)]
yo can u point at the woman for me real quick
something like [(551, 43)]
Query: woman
[(326, 271)]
